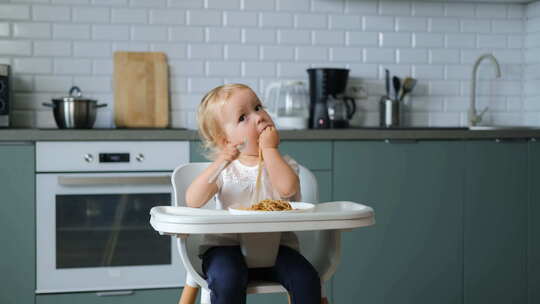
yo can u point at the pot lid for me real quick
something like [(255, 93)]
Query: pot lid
[(75, 94)]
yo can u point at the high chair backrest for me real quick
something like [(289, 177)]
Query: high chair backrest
[(312, 243)]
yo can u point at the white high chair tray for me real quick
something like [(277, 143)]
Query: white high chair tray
[(325, 216)]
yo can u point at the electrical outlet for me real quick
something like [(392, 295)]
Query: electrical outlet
[(357, 90)]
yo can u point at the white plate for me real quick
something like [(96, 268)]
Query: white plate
[(297, 207)]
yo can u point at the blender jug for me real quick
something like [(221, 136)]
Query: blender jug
[(288, 104), (324, 82)]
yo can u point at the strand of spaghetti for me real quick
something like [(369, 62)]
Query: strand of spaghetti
[(258, 181)]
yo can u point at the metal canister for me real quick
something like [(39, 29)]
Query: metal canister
[(388, 112)]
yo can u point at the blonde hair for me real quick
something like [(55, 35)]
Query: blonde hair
[(210, 128)]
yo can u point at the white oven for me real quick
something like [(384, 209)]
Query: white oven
[(92, 215)]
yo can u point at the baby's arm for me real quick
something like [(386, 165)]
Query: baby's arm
[(200, 190), (282, 176)]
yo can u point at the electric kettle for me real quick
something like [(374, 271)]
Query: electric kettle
[(288, 104)]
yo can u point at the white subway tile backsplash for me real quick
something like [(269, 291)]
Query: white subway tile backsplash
[(329, 37), (188, 34), (15, 48), (428, 40), (475, 26), (92, 49), (223, 68), (312, 53), (132, 16), (5, 29), (459, 9), (73, 66), (491, 10), (411, 24), (460, 41), (239, 19), (412, 56), (347, 54), (242, 52), (110, 32), (297, 5), (259, 36), (31, 30), (311, 21), (217, 34), (70, 31), (372, 55), (223, 4), (295, 37), (52, 44), (277, 53), (345, 22), (91, 15), (443, 25), (282, 20), (362, 38), (399, 8), (431, 9), (362, 7), (14, 12), (167, 16), (375, 23), (32, 66)]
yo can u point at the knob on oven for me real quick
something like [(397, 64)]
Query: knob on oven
[(139, 157), (88, 157)]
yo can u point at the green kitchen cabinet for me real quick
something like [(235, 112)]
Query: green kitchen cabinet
[(413, 254), (143, 296), (495, 222), (534, 223), (17, 226)]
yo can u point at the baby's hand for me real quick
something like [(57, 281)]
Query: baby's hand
[(269, 138), (229, 153)]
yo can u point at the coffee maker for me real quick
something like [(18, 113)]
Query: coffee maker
[(325, 84)]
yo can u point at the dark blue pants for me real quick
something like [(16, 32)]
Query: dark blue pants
[(227, 275)]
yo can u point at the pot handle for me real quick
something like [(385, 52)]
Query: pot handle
[(101, 105), (50, 105)]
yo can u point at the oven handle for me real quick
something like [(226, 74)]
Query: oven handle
[(116, 180)]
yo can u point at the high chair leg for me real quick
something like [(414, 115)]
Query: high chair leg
[(189, 295)]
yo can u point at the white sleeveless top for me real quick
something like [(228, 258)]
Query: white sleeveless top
[(236, 184)]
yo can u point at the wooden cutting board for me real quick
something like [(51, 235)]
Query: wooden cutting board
[(141, 90)]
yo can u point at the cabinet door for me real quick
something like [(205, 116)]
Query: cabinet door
[(534, 223), (17, 227), (413, 254), (495, 222), (169, 295)]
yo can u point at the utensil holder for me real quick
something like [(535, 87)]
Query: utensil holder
[(389, 112)]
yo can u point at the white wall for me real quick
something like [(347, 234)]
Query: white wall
[(531, 102), (53, 44)]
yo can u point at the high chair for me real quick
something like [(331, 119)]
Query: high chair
[(320, 247)]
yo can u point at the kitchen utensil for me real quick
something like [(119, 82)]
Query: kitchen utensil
[(214, 177), (340, 111), (322, 83), (288, 104), (141, 90), (74, 111), (408, 85), (389, 112), (397, 85), (387, 81)]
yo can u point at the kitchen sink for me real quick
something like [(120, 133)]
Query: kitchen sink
[(501, 127)]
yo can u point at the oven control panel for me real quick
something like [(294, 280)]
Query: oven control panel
[(111, 156)]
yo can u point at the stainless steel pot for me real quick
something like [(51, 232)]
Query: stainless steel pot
[(74, 111)]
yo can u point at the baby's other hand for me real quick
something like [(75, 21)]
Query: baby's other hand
[(269, 138), (229, 153)]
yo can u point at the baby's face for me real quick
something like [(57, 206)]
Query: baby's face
[(242, 117)]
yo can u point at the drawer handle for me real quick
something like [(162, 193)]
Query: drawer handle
[(114, 293)]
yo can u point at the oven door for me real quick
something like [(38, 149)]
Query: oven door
[(93, 233)]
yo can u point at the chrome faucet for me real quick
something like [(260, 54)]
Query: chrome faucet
[(475, 118)]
